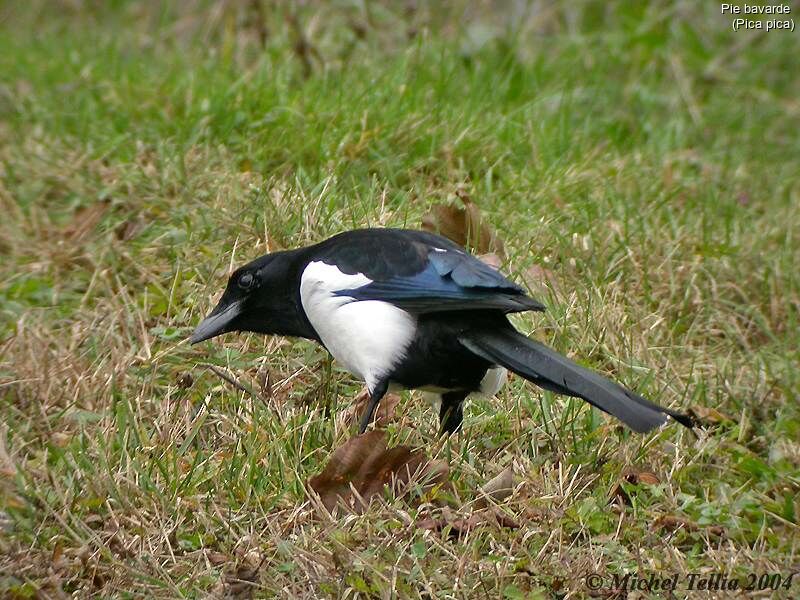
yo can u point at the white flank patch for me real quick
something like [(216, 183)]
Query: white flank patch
[(491, 383), (493, 380), (367, 337)]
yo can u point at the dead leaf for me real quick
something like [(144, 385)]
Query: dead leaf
[(385, 413), (84, 220), (364, 466), (242, 583), (83, 554), (633, 476), (58, 552), (216, 558), (465, 226), (674, 523), (705, 415), (264, 378), (61, 438), (129, 228), (253, 558), (460, 525), (241, 578), (184, 380), (538, 277), (642, 477), (491, 259), (497, 489)]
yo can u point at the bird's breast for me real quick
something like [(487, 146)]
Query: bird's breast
[(368, 337)]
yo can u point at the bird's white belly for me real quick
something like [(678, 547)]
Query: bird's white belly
[(367, 337)]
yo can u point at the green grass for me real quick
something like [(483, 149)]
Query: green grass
[(647, 156)]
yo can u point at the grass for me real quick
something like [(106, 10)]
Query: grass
[(647, 156)]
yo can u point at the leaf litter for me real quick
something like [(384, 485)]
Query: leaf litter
[(364, 466)]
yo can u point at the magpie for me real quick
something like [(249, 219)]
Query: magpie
[(410, 309)]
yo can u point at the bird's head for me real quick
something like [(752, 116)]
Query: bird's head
[(262, 297)]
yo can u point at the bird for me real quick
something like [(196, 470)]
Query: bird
[(409, 309)]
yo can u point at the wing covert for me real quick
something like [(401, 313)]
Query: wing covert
[(452, 280)]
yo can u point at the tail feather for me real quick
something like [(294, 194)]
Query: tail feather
[(550, 370)]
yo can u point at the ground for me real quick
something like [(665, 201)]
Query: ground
[(640, 163)]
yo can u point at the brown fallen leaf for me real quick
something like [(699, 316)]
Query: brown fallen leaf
[(129, 228), (241, 582), (61, 439), (460, 525), (538, 277), (364, 466), (632, 476), (216, 558), (641, 477), (264, 377), (465, 226), (58, 551), (184, 380), (491, 259), (705, 415), (84, 220), (674, 523), (385, 413), (497, 489)]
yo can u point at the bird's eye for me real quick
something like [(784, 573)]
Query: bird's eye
[(246, 281)]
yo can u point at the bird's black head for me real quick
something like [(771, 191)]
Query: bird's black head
[(263, 297)]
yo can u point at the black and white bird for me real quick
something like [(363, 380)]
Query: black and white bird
[(410, 309)]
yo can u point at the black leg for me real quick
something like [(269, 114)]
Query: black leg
[(375, 396), (450, 412)]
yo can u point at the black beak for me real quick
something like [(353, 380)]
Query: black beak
[(217, 322)]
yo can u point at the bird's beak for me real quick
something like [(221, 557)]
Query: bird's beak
[(217, 322)]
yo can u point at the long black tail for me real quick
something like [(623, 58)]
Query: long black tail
[(550, 370)]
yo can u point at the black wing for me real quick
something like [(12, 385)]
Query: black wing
[(421, 272)]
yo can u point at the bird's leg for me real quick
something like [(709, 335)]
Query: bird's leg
[(450, 412), (375, 396)]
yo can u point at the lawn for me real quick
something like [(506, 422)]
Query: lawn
[(640, 164)]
